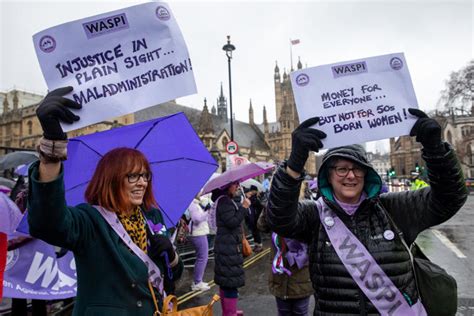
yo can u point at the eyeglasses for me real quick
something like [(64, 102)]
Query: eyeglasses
[(134, 177), (344, 171)]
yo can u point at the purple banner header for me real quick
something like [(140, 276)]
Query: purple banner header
[(349, 69), (106, 25)]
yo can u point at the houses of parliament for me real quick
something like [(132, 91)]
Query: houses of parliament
[(265, 141)]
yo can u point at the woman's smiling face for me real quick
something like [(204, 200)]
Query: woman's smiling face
[(135, 185), (347, 180)]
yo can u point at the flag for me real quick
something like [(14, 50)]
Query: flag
[(295, 41)]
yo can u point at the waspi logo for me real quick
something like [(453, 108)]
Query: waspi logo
[(106, 25), (349, 69)]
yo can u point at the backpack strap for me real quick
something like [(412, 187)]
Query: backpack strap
[(380, 206)]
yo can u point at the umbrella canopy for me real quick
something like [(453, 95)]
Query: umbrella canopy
[(17, 158), (249, 182), (22, 170), (9, 213), (7, 182), (239, 174), (179, 161), (313, 184), (5, 189)]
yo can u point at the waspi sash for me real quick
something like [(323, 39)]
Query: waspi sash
[(154, 274), (363, 268)]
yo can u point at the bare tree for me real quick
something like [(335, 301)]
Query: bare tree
[(458, 96)]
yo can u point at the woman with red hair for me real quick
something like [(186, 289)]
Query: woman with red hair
[(116, 251)]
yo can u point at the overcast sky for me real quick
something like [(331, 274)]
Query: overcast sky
[(436, 37)]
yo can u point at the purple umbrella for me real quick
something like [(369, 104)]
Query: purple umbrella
[(313, 184), (22, 170), (239, 174), (9, 213), (180, 162)]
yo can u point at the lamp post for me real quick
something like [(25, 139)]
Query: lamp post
[(229, 48)]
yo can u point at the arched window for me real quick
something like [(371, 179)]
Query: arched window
[(450, 137), (224, 141), (30, 127), (469, 157)]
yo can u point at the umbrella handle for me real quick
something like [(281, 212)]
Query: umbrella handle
[(243, 194)]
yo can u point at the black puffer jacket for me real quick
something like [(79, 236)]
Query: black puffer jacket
[(228, 268), (336, 293)]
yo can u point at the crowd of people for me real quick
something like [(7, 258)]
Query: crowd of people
[(113, 239)]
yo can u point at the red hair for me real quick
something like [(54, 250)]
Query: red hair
[(107, 187)]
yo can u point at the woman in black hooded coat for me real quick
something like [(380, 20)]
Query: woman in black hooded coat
[(228, 268)]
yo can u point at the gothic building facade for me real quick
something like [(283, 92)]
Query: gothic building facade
[(20, 128), (278, 133), (458, 130)]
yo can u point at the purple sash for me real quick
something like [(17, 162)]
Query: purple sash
[(363, 268), (154, 274)]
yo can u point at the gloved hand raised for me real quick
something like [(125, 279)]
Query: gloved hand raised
[(303, 140), (426, 130), (53, 109), (160, 244)]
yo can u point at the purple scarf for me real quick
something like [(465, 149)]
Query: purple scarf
[(350, 209)]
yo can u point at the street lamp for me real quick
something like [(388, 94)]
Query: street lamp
[(229, 48)]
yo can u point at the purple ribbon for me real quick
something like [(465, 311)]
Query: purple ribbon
[(155, 228), (167, 262), (277, 264), (297, 253)]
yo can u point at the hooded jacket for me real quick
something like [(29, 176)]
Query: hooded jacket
[(228, 267), (336, 293)]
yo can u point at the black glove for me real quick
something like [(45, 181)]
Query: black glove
[(426, 130), (303, 140), (158, 245), (54, 108)]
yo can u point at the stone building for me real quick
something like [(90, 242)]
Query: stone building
[(278, 133), (214, 130), (20, 128), (380, 162), (405, 153), (268, 141), (458, 130), (18, 123)]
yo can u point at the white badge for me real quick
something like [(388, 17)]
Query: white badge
[(329, 221), (388, 234)]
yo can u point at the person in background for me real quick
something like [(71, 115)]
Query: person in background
[(228, 267), (417, 182), (251, 216), (199, 229), (112, 274), (351, 203), (288, 279)]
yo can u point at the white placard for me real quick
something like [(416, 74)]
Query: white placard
[(357, 101), (118, 62)]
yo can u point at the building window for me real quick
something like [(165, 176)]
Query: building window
[(224, 141), (469, 155), (450, 137), (30, 127)]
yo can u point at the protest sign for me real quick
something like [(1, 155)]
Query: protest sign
[(117, 62), (357, 101), (33, 271)]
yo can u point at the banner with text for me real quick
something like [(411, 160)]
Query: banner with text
[(357, 101), (33, 271), (117, 62)]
